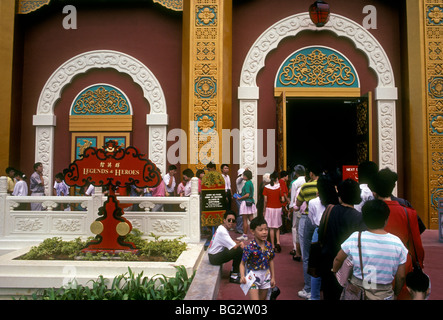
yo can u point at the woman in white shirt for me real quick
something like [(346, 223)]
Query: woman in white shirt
[(20, 188), (223, 248)]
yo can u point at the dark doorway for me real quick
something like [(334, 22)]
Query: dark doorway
[(323, 130)]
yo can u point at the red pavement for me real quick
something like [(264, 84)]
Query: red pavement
[(289, 273)]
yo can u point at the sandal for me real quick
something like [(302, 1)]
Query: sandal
[(277, 248)]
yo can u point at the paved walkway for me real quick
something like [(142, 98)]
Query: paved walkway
[(289, 273)]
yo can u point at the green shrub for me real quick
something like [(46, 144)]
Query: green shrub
[(56, 248), (124, 287)]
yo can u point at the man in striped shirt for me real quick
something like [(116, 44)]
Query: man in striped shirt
[(308, 192)]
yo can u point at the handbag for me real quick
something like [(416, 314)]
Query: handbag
[(314, 262), (345, 272), (249, 203), (416, 264), (351, 291)]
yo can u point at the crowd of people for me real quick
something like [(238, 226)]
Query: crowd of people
[(361, 224), (333, 220)]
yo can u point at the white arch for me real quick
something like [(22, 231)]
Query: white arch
[(45, 120), (385, 93)]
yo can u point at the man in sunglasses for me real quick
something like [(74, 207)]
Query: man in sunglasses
[(223, 248)]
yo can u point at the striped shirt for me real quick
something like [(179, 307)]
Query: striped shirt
[(308, 192), (381, 255)]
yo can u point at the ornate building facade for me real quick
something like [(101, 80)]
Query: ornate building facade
[(251, 83)]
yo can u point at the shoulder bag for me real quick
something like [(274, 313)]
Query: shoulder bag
[(351, 291)]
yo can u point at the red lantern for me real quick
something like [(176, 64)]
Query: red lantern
[(319, 13)]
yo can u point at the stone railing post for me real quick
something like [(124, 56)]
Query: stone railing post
[(194, 212), (3, 194)]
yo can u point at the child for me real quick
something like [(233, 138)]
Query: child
[(247, 206), (258, 257), (61, 189)]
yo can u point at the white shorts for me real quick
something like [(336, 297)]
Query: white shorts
[(262, 279)]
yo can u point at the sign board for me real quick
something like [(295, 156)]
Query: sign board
[(112, 166), (213, 199), (350, 172)]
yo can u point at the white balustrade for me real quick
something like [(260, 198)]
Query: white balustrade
[(18, 223)]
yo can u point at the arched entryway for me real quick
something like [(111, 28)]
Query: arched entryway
[(45, 120), (385, 93)]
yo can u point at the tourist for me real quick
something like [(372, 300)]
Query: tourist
[(266, 179), (10, 174), (307, 192), (20, 187), (343, 221), (258, 258), (225, 173), (366, 171), (402, 222), (383, 255), (239, 183), (61, 189), (158, 191), (300, 179), (327, 195), (169, 180), (184, 188), (247, 206), (284, 176), (223, 248), (273, 198), (37, 185)]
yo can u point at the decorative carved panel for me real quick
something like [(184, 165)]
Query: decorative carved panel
[(433, 24)]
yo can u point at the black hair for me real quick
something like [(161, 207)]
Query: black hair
[(349, 191), (229, 212), (326, 190), (9, 169), (188, 172), (417, 281), (199, 172), (367, 171), (384, 183), (257, 221), (59, 176), (315, 168), (283, 174), (36, 165), (274, 178), (248, 174), (211, 165), (224, 165), (172, 167), (18, 173), (375, 213)]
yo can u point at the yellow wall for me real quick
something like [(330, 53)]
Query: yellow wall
[(7, 15)]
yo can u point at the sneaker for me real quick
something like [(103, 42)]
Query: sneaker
[(243, 237), (305, 295), (234, 278)]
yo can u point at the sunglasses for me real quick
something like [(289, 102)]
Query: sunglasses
[(231, 220)]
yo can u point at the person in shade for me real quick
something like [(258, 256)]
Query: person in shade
[(343, 220)]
